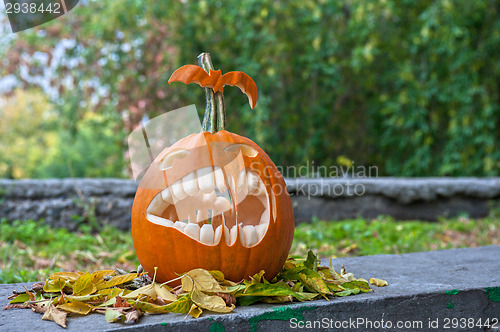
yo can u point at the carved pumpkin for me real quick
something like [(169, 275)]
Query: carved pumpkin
[(213, 200)]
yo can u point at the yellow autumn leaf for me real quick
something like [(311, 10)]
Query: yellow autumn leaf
[(118, 280), (83, 285), (54, 286), (203, 281), (70, 276), (98, 276), (76, 307), (210, 302), (195, 311), (153, 291), (378, 282)]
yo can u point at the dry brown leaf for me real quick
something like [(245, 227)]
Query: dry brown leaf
[(55, 315), (230, 299), (120, 302), (132, 317), (15, 306)]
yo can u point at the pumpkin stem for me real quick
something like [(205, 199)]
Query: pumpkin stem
[(213, 120), (209, 119)]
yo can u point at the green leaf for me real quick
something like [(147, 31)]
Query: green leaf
[(247, 300), (315, 283), (114, 316), (361, 285), (21, 298), (347, 292), (311, 261)]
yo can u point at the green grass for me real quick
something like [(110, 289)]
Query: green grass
[(385, 235), (30, 250)]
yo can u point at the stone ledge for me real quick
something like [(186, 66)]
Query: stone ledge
[(417, 292), (58, 200)]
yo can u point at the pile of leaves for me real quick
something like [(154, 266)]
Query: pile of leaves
[(125, 297)]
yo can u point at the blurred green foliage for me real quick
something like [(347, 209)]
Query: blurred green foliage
[(412, 87)]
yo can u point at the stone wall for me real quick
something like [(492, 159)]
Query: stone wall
[(62, 202)]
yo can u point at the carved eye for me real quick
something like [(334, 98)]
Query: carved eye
[(168, 160), (247, 150)]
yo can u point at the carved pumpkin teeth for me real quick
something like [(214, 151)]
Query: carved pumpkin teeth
[(207, 234), (193, 231), (178, 192), (156, 205), (190, 184), (241, 184), (261, 231), (233, 233), (159, 221), (197, 197), (217, 234), (166, 195), (222, 204), (180, 225), (219, 179), (250, 236), (264, 219), (206, 179), (252, 181), (202, 215)]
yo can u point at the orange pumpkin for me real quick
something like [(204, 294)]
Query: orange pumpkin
[(213, 200)]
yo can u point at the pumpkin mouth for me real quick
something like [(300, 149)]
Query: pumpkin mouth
[(205, 204)]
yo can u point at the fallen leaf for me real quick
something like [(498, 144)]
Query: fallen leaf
[(181, 306), (54, 286), (195, 311), (118, 280), (210, 302), (14, 306), (55, 315), (317, 284), (378, 282), (203, 281), (152, 290), (311, 261), (76, 307), (83, 285), (120, 302), (70, 276), (21, 298), (132, 317), (230, 299), (361, 285), (114, 316)]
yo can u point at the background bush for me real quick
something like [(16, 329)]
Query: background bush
[(412, 87)]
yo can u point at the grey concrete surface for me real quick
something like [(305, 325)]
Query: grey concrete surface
[(60, 201), (418, 293)]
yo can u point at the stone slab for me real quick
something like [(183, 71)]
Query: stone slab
[(417, 294)]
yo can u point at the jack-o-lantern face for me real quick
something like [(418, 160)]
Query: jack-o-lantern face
[(214, 201)]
